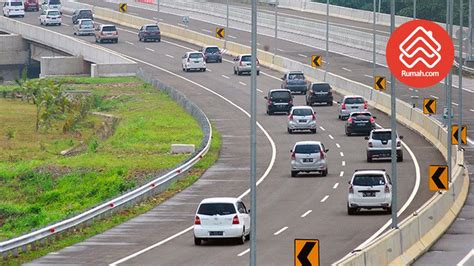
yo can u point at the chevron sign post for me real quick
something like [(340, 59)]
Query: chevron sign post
[(420, 53)]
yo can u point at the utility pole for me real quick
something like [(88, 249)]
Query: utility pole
[(253, 140), (450, 87), (393, 115), (227, 26), (276, 31), (461, 24), (374, 42), (157, 11), (469, 45), (414, 9), (327, 40)]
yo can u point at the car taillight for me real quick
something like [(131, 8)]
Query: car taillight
[(349, 120), (290, 117), (343, 106), (370, 144), (321, 154), (387, 189), (197, 220), (290, 102), (241, 63), (270, 101), (313, 117), (399, 144), (258, 62), (372, 120), (115, 33), (235, 220), (366, 105), (293, 156), (351, 189)]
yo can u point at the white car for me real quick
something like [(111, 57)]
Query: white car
[(351, 103), (309, 156), (84, 27), (369, 189), (50, 17), (51, 4), (193, 60), (301, 118), (13, 8), (221, 218), (243, 63)]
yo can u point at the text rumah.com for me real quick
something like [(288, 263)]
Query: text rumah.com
[(420, 73)]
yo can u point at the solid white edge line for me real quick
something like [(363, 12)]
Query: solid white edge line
[(335, 186), (280, 231), (262, 178), (325, 198), (244, 252), (466, 258), (306, 213), (341, 174)]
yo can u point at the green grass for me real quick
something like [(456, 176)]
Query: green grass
[(39, 186), (105, 224)]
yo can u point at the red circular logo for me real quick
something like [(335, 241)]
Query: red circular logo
[(420, 53)]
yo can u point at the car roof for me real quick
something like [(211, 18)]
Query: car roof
[(353, 96), (107, 25), (245, 55), (280, 90), (369, 171), (382, 130), (147, 25), (220, 200), (361, 112), (295, 72), (211, 46), (302, 107), (306, 142), (82, 9), (84, 19), (319, 83), (194, 52)]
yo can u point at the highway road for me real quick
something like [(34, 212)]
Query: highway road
[(288, 208), (345, 61)]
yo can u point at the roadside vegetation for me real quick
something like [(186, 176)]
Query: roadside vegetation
[(62, 153)]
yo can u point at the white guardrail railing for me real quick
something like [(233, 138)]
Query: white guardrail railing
[(39, 237)]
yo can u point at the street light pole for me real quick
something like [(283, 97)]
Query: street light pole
[(393, 115), (469, 45), (414, 9), (227, 26), (276, 31), (374, 41), (461, 24), (157, 11), (450, 87), (327, 40)]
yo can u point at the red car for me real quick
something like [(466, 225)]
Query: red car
[(31, 5)]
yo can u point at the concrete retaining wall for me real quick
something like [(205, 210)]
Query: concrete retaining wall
[(62, 66), (13, 50)]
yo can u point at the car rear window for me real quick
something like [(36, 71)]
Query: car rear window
[(87, 23), (212, 50), (368, 180), (152, 28), (321, 87), (247, 58), (85, 12), (280, 95), (354, 100), (307, 148), (109, 28), (296, 76), (54, 2), (19, 3), (361, 115), (384, 135), (195, 55), (53, 13), (216, 209), (302, 112)]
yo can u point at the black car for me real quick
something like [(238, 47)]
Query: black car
[(149, 32), (279, 101), (81, 14), (212, 54), (360, 122), (319, 93)]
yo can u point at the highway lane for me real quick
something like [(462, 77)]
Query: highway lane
[(277, 192), (344, 61)]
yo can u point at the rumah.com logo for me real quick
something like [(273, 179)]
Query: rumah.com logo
[(420, 53)]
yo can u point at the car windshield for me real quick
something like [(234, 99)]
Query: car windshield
[(87, 23), (212, 50), (354, 100), (109, 28), (53, 13), (247, 58), (321, 87), (368, 180), (195, 55), (307, 148), (302, 112), (280, 95), (16, 3), (152, 28), (296, 76), (216, 209), (384, 135)]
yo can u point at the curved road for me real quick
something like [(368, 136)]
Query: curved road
[(282, 201)]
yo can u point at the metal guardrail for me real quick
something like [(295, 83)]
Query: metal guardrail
[(159, 184)]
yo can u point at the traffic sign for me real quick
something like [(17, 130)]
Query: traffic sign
[(420, 53), (316, 61), (380, 83), (306, 252), (123, 7), (455, 132), (429, 106), (220, 33), (438, 177)]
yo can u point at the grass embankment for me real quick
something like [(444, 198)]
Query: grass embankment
[(38, 186)]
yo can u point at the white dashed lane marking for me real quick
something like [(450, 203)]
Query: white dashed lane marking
[(341, 174), (322, 128), (170, 56), (342, 154), (335, 186), (131, 43), (241, 83), (306, 213), (346, 69), (325, 198), (338, 146), (224, 76), (343, 163), (280, 231), (302, 55), (149, 49), (244, 252), (331, 137)]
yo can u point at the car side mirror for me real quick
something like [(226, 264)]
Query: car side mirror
[(374, 117), (349, 182), (266, 98), (366, 138), (248, 211), (291, 150), (326, 150), (236, 59), (401, 137), (338, 102)]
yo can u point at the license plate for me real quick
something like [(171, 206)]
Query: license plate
[(216, 233), (281, 104), (196, 62), (368, 194), (308, 160), (302, 121), (355, 107)]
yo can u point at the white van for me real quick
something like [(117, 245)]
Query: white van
[(13, 8), (51, 4)]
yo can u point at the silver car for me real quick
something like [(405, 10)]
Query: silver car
[(302, 118), (379, 145), (309, 156), (243, 63), (351, 103), (84, 27)]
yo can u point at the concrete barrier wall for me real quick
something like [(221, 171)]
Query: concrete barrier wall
[(398, 245), (62, 66), (13, 50)]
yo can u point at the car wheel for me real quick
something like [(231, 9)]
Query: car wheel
[(294, 173), (290, 131), (369, 158), (197, 241), (348, 133), (325, 172), (258, 73), (330, 103), (269, 112), (41, 22), (400, 158), (239, 73), (389, 210), (220, 61), (313, 131), (339, 117), (351, 211), (241, 239), (247, 237), (59, 24)]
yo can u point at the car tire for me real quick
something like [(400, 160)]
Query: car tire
[(330, 103), (325, 172), (400, 158), (313, 131), (239, 73), (348, 133), (241, 239), (351, 211), (269, 112), (247, 237), (388, 210), (339, 117), (290, 131), (158, 40), (258, 72), (197, 241), (59, 24), (369, 158), (294, 173)]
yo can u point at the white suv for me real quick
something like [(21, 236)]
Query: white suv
[(221, 218), (379, 145), (193, 60), (309, 156), (301, 118), (351, 103), (369, 189)]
